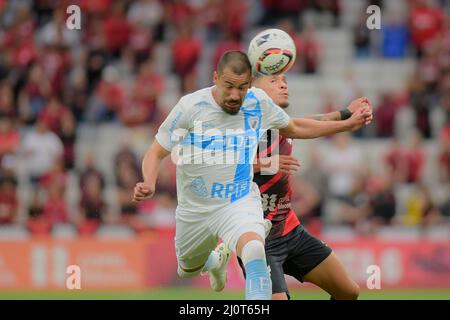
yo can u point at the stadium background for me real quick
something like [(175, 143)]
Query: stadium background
[(79, 107)]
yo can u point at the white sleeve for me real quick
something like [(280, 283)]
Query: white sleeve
[(174, 128)]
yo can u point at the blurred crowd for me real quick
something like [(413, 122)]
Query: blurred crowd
[(53, 80)]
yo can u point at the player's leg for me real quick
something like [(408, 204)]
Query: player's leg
[(331, 276), (313, 261), (275, 262), (241, 227), (250, 248), (193, 245)]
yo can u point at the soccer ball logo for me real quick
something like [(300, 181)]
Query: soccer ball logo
[(272, 52)]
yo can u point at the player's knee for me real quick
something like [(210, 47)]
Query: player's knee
[(253, 250), (353, 292)]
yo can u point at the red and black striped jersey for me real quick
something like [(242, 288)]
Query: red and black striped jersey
[(276, 189)]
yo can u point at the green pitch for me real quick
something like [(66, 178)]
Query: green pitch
[(199, 294)]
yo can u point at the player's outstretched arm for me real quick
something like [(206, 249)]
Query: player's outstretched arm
[(150, 170), (301, 128), (344, 113)]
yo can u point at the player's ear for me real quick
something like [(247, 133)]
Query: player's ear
[(215, 77)]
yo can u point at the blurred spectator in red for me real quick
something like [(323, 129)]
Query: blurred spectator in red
[(8, 200), (288, 26), (108, 99), (227, 43), (406, 164), (92, 207), (186, 51), (42, 149), (53, 113), (9, 139), (19, 38), (211, 13), (33, 98), (116, 29), (55, 208), (147, 88), (178, 11), (444, 155), (147, 17), (90, 172), (233, 14), (385, 116), (425, 23), (37, 224), (310, 50), (7, 107), (55, 62), (98, 8)]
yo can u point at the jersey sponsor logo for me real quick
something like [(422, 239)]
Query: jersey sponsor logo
[(268, 201), (198, 187), (236, 189)]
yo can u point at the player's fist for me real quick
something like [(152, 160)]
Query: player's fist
[(362, 103), (143, 191), (360, 118)]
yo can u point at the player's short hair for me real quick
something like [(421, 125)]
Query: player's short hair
[(236, 60)]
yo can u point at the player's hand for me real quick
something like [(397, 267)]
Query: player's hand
[(279, 163), (359, 104), (143, 191), (360, 118)]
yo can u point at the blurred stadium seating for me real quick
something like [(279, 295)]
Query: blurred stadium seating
[(103, 90)]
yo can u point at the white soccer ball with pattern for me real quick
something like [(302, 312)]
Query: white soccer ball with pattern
[(272, 52)]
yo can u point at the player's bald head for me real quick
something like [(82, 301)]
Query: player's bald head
[(236, 61)]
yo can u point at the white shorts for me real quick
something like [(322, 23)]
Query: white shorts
[(197, 234)]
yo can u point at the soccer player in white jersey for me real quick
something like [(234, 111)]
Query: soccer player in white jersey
[(219, 128)]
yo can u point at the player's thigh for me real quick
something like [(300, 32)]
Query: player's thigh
[(331, 276), (240, 222), (193, 243)]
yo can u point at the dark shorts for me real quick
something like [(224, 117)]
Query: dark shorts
[(295, 254)]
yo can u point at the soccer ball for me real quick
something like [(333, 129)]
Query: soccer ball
[(272, 52)]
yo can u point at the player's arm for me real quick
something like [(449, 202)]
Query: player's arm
[(301, 128), (150, 170), (168, 136), (344, 113)]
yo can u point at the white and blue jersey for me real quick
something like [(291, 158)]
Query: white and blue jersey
[(214, 150)]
